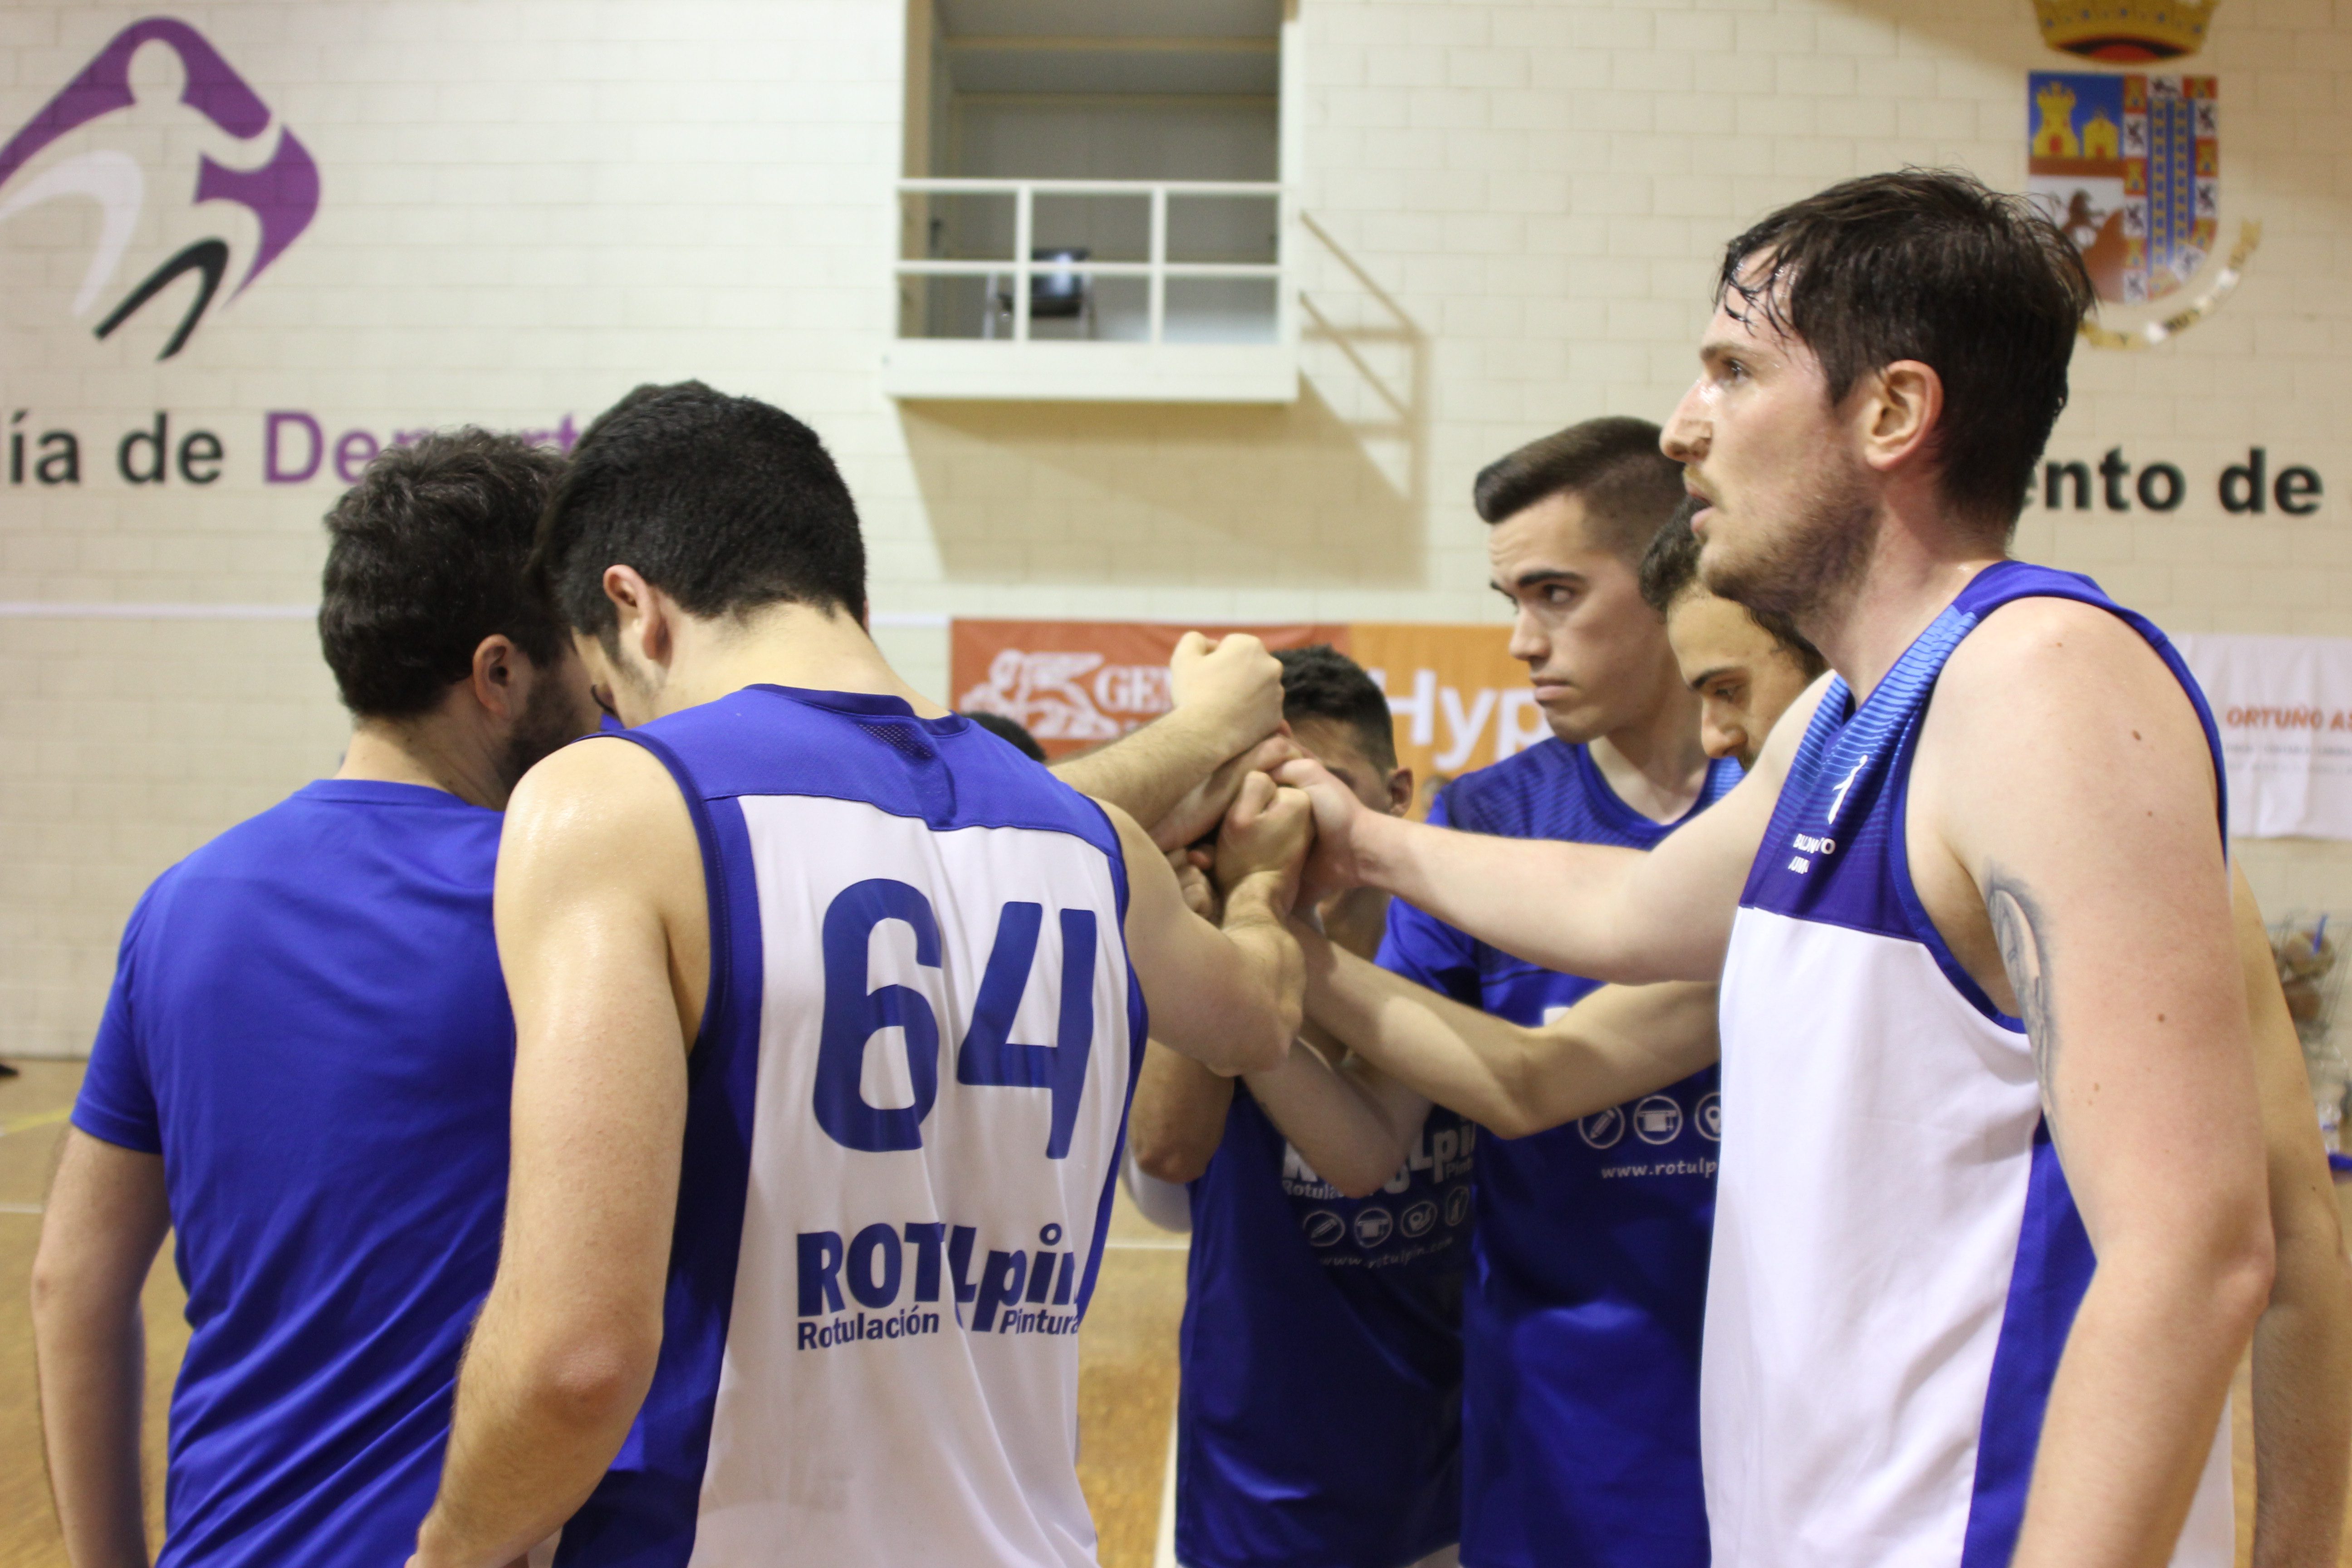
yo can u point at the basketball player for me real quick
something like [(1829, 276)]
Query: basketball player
[(1748, 666), (1319, 1417), (825, 1023), (1580, 1317), (1621, 1043), (1982, 927), (302, 1071)]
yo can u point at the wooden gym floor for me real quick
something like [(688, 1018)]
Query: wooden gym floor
[(1127, 1389)]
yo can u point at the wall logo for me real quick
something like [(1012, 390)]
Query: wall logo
[(2131, 168), (273, 178)]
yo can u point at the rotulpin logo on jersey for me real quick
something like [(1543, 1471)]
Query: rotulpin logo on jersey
[(233, 186), (2131, 168), (899, 1276)]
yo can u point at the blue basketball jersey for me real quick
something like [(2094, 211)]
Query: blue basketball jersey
[(905, 1109), (1581, 1320), (1897, 1259), (308, 1023), (1318, 1420)]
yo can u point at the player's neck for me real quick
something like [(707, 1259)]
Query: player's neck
[(782, 645), (1656, 765), (1917, 566), (437, 751)]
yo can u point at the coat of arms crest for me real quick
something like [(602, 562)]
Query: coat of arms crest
[(2129, 166)]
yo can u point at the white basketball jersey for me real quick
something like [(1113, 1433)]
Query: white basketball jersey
[(1897, 1259), (909, 1094)]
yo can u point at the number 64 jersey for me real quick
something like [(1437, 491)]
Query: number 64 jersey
[(907, 1103)]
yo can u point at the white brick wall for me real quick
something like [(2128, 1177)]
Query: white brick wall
[(529, 207)]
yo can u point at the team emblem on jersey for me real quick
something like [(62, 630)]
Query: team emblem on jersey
[(1372, 1226), (1457, 1206), (1419, 1220)]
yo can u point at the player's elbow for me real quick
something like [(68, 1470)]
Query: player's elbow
[(71, 1290), (2240, 1266), (593, 1378), (1167, 1155)]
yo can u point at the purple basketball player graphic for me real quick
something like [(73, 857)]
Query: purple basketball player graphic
[(244, 158)]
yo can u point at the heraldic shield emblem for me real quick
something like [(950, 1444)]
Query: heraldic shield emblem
[(2130, 167)]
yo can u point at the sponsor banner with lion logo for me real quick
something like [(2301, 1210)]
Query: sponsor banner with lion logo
[(1458, 698)]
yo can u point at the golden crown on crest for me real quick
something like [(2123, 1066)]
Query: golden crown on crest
[(2126, 32)]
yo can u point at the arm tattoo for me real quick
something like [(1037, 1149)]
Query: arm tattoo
[(2023, 930)]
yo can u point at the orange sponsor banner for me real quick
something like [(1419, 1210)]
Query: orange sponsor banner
[(1458, 698), (1074, 684)]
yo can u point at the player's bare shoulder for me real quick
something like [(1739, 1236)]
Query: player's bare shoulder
[(605, 810), (2061, 719), (2047, 671)]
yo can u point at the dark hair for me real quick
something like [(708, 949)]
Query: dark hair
[(1612, 464), (1670, 570), (1318, 681), (428, 554), (1011, 730), (1930, 265), (724, 503)]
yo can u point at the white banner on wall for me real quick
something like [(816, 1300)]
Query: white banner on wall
[(2285, 708)]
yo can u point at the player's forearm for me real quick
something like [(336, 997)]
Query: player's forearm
[(540, 1413), (2302, 1393), (1333, 1119), (90, 1352), (1463, 1059), (1270, 996), (1148, 773), (1179, 1115), (2137, 1400), (1559, 905)]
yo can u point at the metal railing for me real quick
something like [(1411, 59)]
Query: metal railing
[(1023, 265)]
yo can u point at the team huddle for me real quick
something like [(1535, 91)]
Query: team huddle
[(1830, 1104)]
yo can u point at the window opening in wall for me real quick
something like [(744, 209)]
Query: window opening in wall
[(1104, 173)]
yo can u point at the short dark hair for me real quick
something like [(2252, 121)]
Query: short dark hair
[(1613, 464), (428, 554), (1670, 570), (1931, 265), (724, 503), (1012, 730), (1318, 681)]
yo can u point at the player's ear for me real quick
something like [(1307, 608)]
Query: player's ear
[(1899, 408), (495, 677), (1401, 793), (640, 621)]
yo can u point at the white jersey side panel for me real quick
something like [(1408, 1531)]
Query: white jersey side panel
[(857, 1422), (1877, 1144)]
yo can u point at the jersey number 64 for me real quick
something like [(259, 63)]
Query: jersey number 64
[(988, 1056)]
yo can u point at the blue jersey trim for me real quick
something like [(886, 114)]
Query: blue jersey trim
[(2054, 1270), (647, 1508)]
